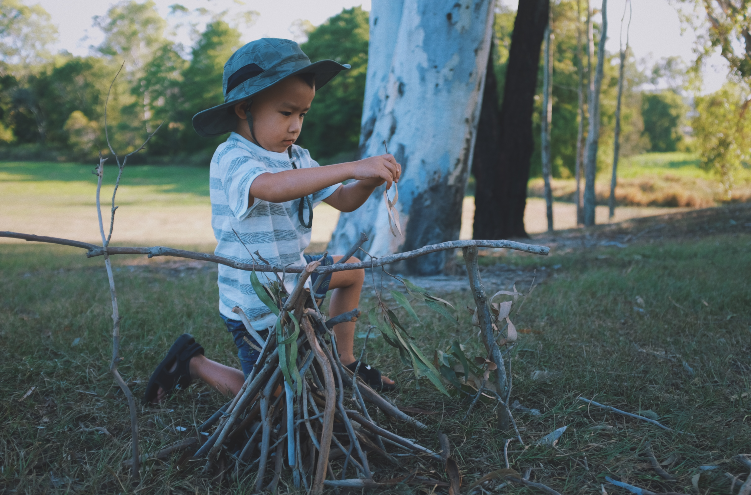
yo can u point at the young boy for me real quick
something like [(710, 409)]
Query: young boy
[(263, 190)]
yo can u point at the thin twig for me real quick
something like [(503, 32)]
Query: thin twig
[(505, 452), (609, 408), (474, 401), (636, 489), (656, 465), (532, 484)]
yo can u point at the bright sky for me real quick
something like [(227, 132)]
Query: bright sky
[(655, 28)]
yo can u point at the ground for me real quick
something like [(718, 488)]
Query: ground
[(611, 315)]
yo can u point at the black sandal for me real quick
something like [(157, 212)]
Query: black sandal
[(184, 348), (371, 376)]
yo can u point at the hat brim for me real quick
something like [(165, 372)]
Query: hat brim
[(221, 120)]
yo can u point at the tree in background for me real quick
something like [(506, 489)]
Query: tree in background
[(426, 67), (617, 132), (593, 134), (663, 114), (722, 129), (546, 120), (501, 187), (332, 127), (25, 35)]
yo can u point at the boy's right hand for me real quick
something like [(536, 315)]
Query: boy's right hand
[(377, 170)]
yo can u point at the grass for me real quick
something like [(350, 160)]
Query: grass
[(584, 324), (657, 179)]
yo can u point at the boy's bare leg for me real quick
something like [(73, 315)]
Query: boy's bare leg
[(222, 378), (345, 296)]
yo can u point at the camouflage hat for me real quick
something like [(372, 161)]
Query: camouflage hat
[(254, 67)]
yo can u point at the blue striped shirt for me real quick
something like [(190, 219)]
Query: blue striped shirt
[(272, 229)]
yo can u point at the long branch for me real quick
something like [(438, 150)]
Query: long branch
[(94, 250)]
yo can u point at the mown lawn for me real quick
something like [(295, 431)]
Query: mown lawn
[(611, 324)]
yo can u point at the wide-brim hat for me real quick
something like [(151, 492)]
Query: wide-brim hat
[(254, 67)]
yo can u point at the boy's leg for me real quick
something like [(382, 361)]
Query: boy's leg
[(222, 378), (345, 289)]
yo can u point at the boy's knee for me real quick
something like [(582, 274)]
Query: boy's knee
[(359, 273)]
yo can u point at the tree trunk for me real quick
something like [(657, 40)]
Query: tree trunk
[(594, 123), (426, 72), (617, 137), (580, 115), (546, 123), (500, 197), (487, 146)]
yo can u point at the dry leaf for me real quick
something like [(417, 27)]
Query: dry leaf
[(455, 476), (504, 310), (552, 438), (511, 335), (639, 301), (28, 393), (393, 212)]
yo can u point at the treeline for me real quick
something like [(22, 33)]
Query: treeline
[(53, 105)]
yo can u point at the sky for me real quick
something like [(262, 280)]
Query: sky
[(655, 28)]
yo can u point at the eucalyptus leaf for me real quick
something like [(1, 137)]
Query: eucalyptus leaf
[(262, 294), (403, 302), (440, 309)]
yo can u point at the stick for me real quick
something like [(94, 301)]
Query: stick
[(358, 396), (267, 427), (328, 417), (486, 324), (252, 331), (166, 451), (94, 250), (351, 252), (656, 465), (391, 436), (116, 327), (746, 487), (297, 291), (532, 484), (474, 401), (505, 452), (340, 403), (213, 418), (343, 318), (609, 408), (636, 489)]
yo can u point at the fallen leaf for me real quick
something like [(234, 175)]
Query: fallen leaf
[(639, 301), (455, 476), (511, 335), (552, 437), (670, 460), (695, 481), (705, 303), (28, 393), (504, 310)]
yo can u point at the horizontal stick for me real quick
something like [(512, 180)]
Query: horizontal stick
[(391, 436), (166, 451), (94, 250), (636, 490), (609, 408), (342, 318), (532, 484)]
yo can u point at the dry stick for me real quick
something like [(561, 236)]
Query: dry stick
[(336, 364), (250, 388), (391, 436), (609, 408), (746, 487), (328, 417), (252, 331), (360, 241), (505, 452), (116, 329), (532, 484), (636, 489), (734, 481), (349, 316), (474, 401), (300, 285), (267, 426), (486, 324), (279, 461), (511, 417), (247, 448), (656, 465), (94, 250), (358, 396)]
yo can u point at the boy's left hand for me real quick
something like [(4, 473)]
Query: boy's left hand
[(377, 170)]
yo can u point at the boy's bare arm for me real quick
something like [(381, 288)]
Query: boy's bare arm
[(292, 184)]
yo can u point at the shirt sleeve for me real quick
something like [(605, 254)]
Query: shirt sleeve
[(241, 171)]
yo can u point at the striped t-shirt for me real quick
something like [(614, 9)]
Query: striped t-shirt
[(272, 229)]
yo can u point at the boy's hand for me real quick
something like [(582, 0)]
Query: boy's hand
[(377, 170)]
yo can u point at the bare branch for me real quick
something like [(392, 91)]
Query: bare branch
[(613, 409)]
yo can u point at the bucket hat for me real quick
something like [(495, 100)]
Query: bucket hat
[(254, 67)]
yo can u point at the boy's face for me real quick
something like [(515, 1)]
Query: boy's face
[(277, 114)]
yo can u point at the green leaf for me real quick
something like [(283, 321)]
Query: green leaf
[(395, 320), (450, 376), (458, 352), (282, 349), (440, 309), (403, 302), (433, 376), (262, 294), (412, 288)]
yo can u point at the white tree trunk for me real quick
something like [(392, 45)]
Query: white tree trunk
[(594, 124), (426, 71), (547, 121), (580, 115), (617, 137)]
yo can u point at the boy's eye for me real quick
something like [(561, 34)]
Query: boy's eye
[(303, 114), (286, 114)]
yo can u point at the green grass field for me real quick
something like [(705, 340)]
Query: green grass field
[(611, 324)]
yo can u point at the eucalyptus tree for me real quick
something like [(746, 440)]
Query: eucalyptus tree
[(426, 70)]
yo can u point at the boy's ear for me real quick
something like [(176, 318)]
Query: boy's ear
[(240, 109)]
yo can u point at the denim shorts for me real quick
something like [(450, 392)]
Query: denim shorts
[(247, 354)]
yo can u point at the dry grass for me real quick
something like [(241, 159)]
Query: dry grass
[(584, 324)]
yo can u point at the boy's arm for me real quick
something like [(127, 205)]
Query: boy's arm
[(292, 184)]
